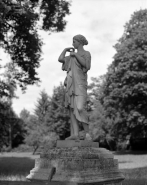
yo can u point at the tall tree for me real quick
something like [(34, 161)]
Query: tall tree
[(36, 125), (42, 107), (26, 118), (20, 21), (11, 127), (24, 115), (100, 125), (8, 84), (125, 89), (58, 117)]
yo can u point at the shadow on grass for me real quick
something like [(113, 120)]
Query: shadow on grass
[(135, 182), (135, 173), (125, 162), (130, 152), (15, 166), (135, 176)]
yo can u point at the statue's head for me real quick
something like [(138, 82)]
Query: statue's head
[(81, 39)]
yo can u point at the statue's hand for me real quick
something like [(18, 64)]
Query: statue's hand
[(70, 49), (72, 54)]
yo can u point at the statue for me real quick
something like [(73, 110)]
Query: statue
[(76, 64), (73, 160)]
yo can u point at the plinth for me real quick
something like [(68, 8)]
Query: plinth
[(81, 162)]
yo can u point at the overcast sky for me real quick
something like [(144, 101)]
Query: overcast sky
[(101, 22)]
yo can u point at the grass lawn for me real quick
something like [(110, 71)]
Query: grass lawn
[(136, 176), (16, 166)]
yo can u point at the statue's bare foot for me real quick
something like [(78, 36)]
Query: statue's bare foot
[(73, 137)]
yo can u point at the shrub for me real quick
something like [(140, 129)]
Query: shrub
[(23, 148)]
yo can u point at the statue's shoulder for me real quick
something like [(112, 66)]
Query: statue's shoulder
[(87, 54)]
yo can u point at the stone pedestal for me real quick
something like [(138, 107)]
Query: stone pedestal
[(81, 162)]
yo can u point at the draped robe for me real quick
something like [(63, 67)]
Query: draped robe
[(76, 85)]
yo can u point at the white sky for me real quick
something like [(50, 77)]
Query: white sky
[(101, 22)]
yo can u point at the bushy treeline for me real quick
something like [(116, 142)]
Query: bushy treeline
[(11, 127), (49, 121), (117, 101), (122, 91), (20, 23)]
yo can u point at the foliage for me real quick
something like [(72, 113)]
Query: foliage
[(29, 125), (20, 21), (100, 125), (8, 84), (32, 132), (24, 115), (34, 139), (49, 141), (58, 117), (49, 121), (12, 132), (22, 148), (98, 122), (38, 139), (95, 88), (42, 107), (124, 94), (39, 132)]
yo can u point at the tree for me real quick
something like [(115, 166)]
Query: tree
[(24, 115), (27, 119), (20, 21), (11, 127), (50, 120), (100, 125), (36, 125), (42, 107), (58, 117), (3, 127), (34, 138), (19, 24), (8, 85), (125, 89), (12, 132)]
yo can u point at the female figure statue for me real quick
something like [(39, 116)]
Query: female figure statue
[(76, 64)]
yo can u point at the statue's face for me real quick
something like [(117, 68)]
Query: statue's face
[(75, 44)]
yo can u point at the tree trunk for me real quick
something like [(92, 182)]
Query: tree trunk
[(10, 137), (35, 149)]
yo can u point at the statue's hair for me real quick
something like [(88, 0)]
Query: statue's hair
[(81, 39)]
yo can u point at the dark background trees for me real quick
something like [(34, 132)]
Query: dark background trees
[(124, 92), (58, 117), (50, 120), (11, 127), (36, 125), (117, 100), (20, 22)]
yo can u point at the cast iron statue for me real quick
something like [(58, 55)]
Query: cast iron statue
[(76, 64)]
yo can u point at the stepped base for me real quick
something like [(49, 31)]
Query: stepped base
[(77, 162)]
